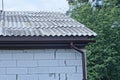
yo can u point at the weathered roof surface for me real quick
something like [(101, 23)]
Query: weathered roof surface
[(13, 23)]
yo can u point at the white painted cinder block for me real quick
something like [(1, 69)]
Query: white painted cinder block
[(16, 70), (79, 69), (74, 77), (12, 51), (45, 56), (51, 76), (63, 77), (34, 51), (22, 56), (62, 69), (8, 63), (5, 56), (28, 77), (27, 63), (65, 54), (39, 70), (48, 63), (78, 56), (2, 71), (73, 62), (7, 77)]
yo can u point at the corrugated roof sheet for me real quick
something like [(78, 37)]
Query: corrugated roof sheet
[(15, 23)]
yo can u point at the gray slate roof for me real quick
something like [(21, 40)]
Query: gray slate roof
[(14, 23)]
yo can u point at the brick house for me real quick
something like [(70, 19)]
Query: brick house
[(42, 46)]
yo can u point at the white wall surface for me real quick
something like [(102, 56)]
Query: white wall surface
[(44, 64)]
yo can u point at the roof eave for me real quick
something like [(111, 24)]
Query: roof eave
[(45, 38), (42, 42)]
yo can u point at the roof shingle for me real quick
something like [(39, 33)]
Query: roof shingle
[(14, 23)]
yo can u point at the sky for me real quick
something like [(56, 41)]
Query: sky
[(36, 5)]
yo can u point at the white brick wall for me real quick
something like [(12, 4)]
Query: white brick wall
[(5, 56), (28, 77), (8, 63), (51, 76), (7, 77), (16, 70), (74, 76), (65, 54), (23, 56), (27, 63), (2, 71), (41, 64), (47, 63)]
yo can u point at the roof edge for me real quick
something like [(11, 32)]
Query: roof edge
[(42, 42), (44, 39)]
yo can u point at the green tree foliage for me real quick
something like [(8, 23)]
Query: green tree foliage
[(103, 57), (113, 2), (74, 1)]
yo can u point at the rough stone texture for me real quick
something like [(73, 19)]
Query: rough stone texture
[(41, 64)]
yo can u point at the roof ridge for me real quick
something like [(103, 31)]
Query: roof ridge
[(37, 11)]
